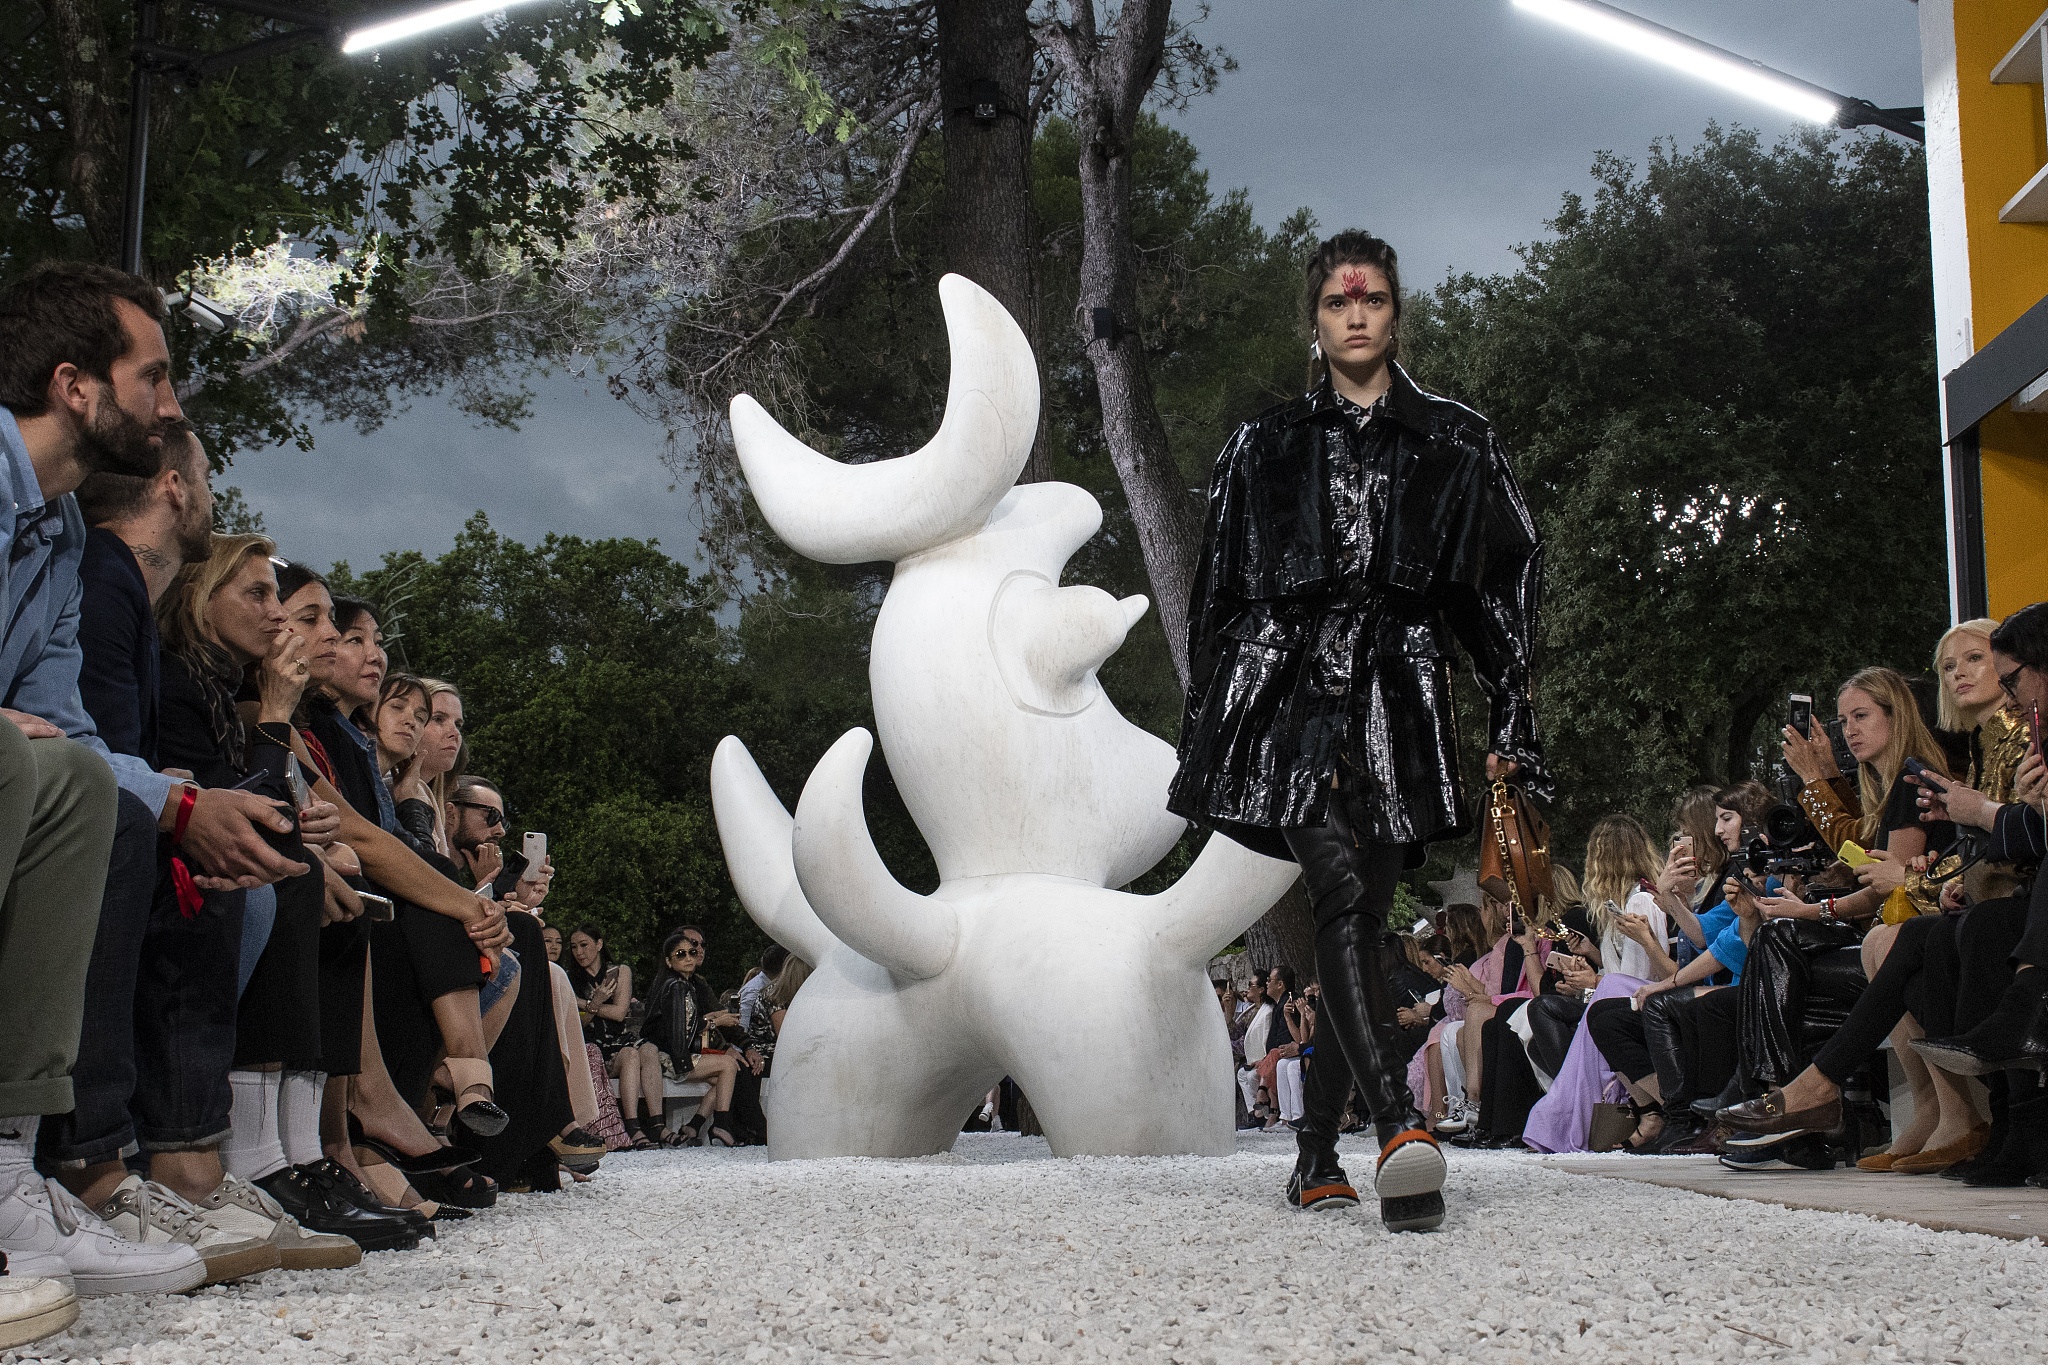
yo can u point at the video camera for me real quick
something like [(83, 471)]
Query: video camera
[(1786, 845)]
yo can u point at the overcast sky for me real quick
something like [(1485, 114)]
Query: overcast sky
[(1451, 127)]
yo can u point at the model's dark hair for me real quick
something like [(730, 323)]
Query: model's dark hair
[(62, 312), (106, 497), (1353, 247), (2024, 636)]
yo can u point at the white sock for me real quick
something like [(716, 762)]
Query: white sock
[(298, 1116), (252, 1149), (18, 1151)]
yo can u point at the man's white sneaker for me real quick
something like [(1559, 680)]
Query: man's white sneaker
[(242, 1209), (42, 1218), (146, 1213), (33, 1307), (43, 1265)]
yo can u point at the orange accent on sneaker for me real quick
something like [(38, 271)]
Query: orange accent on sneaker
[(1402, 1139), (1322, 1192)]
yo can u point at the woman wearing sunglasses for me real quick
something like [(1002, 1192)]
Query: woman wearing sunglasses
[(679, 1005)]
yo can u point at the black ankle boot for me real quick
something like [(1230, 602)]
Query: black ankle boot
[(1318, 1181), (2023, 1153), (2014, 1038)]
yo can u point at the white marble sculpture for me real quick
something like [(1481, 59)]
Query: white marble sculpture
[(1034, 794)]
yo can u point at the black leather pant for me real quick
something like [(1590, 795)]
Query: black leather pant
[(1351, 888), (1790, 960)]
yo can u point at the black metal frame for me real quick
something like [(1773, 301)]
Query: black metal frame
[(1972, 589), (152, 59)]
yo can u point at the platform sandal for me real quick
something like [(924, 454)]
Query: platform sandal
[(475, 1107)]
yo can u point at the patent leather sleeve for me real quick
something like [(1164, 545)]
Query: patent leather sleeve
[(1496, 620), (1217, 595)]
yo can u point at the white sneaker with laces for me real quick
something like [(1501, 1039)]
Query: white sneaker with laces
[(33, 1307), (1457, 1117), (147, 1213), (41, 1218), (244, 1210)]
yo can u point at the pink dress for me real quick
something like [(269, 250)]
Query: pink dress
[(1488, 970)]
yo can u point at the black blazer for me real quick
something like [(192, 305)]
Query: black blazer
[(119, 677)]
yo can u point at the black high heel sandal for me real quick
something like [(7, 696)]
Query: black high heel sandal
[(441, 1159)]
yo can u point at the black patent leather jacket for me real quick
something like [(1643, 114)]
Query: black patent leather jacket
[(1337, 566)]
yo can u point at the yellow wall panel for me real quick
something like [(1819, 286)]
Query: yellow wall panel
[(2004, 144), (2015, 452)]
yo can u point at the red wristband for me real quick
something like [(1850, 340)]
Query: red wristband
[(185, 804)]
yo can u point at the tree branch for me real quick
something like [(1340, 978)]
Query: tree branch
[(920, 124)]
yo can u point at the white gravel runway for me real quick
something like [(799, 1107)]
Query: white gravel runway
[(997, 1252)]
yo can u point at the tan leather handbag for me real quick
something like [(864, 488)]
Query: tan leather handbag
[(1514, 854)]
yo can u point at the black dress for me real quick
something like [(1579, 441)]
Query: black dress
[(344, 948), (278, 1020), (527, 1078)]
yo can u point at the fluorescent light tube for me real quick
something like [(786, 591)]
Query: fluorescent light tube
[(1690, 55), (422, 21)]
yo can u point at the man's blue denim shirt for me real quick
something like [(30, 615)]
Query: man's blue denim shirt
[(39, 597)]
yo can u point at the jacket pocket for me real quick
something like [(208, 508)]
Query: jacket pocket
[(1263, 626)]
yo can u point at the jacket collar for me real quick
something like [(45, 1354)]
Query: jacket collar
[(1406, 402)]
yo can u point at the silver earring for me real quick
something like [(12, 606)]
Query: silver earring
[(1315, 348)]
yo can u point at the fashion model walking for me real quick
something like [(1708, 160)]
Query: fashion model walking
[(1353, 533)]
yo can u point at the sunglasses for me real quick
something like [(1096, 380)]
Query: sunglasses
[(493, 817), (689, 950)]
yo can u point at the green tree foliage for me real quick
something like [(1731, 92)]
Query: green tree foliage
[(455, 169), (597, 678), (1718, 381)]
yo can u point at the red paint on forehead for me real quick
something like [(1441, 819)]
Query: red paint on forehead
[(1355, 284)]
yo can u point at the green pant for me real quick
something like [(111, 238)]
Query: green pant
[(56, 835)]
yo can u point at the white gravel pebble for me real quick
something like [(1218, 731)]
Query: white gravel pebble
[(997, 1252)]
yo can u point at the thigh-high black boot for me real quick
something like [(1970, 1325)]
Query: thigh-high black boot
[(1351, 888)]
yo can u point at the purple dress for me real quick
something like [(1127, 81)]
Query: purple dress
[(1562, 1119)]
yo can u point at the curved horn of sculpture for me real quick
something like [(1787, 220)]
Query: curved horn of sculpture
[(1220, 896), (846, 882), (892, 509), (755, 832)]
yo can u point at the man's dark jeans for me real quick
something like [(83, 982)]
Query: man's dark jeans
[(159, 1031), (98, 1127)]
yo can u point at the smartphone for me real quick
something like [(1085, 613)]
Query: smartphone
[(2034, 726), (1801, 715), (1682, 845), (535, 848), (302, 790), (378, 908)]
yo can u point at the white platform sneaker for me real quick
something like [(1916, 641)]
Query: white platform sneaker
[(151, 1214), (41, 1219), (33, 1307), (243, 1209)]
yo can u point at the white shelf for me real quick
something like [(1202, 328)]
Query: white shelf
[(2030, 205), (2022, 65)]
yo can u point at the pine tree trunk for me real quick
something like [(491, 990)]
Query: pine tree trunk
[(991, 233), (1110, 77)]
